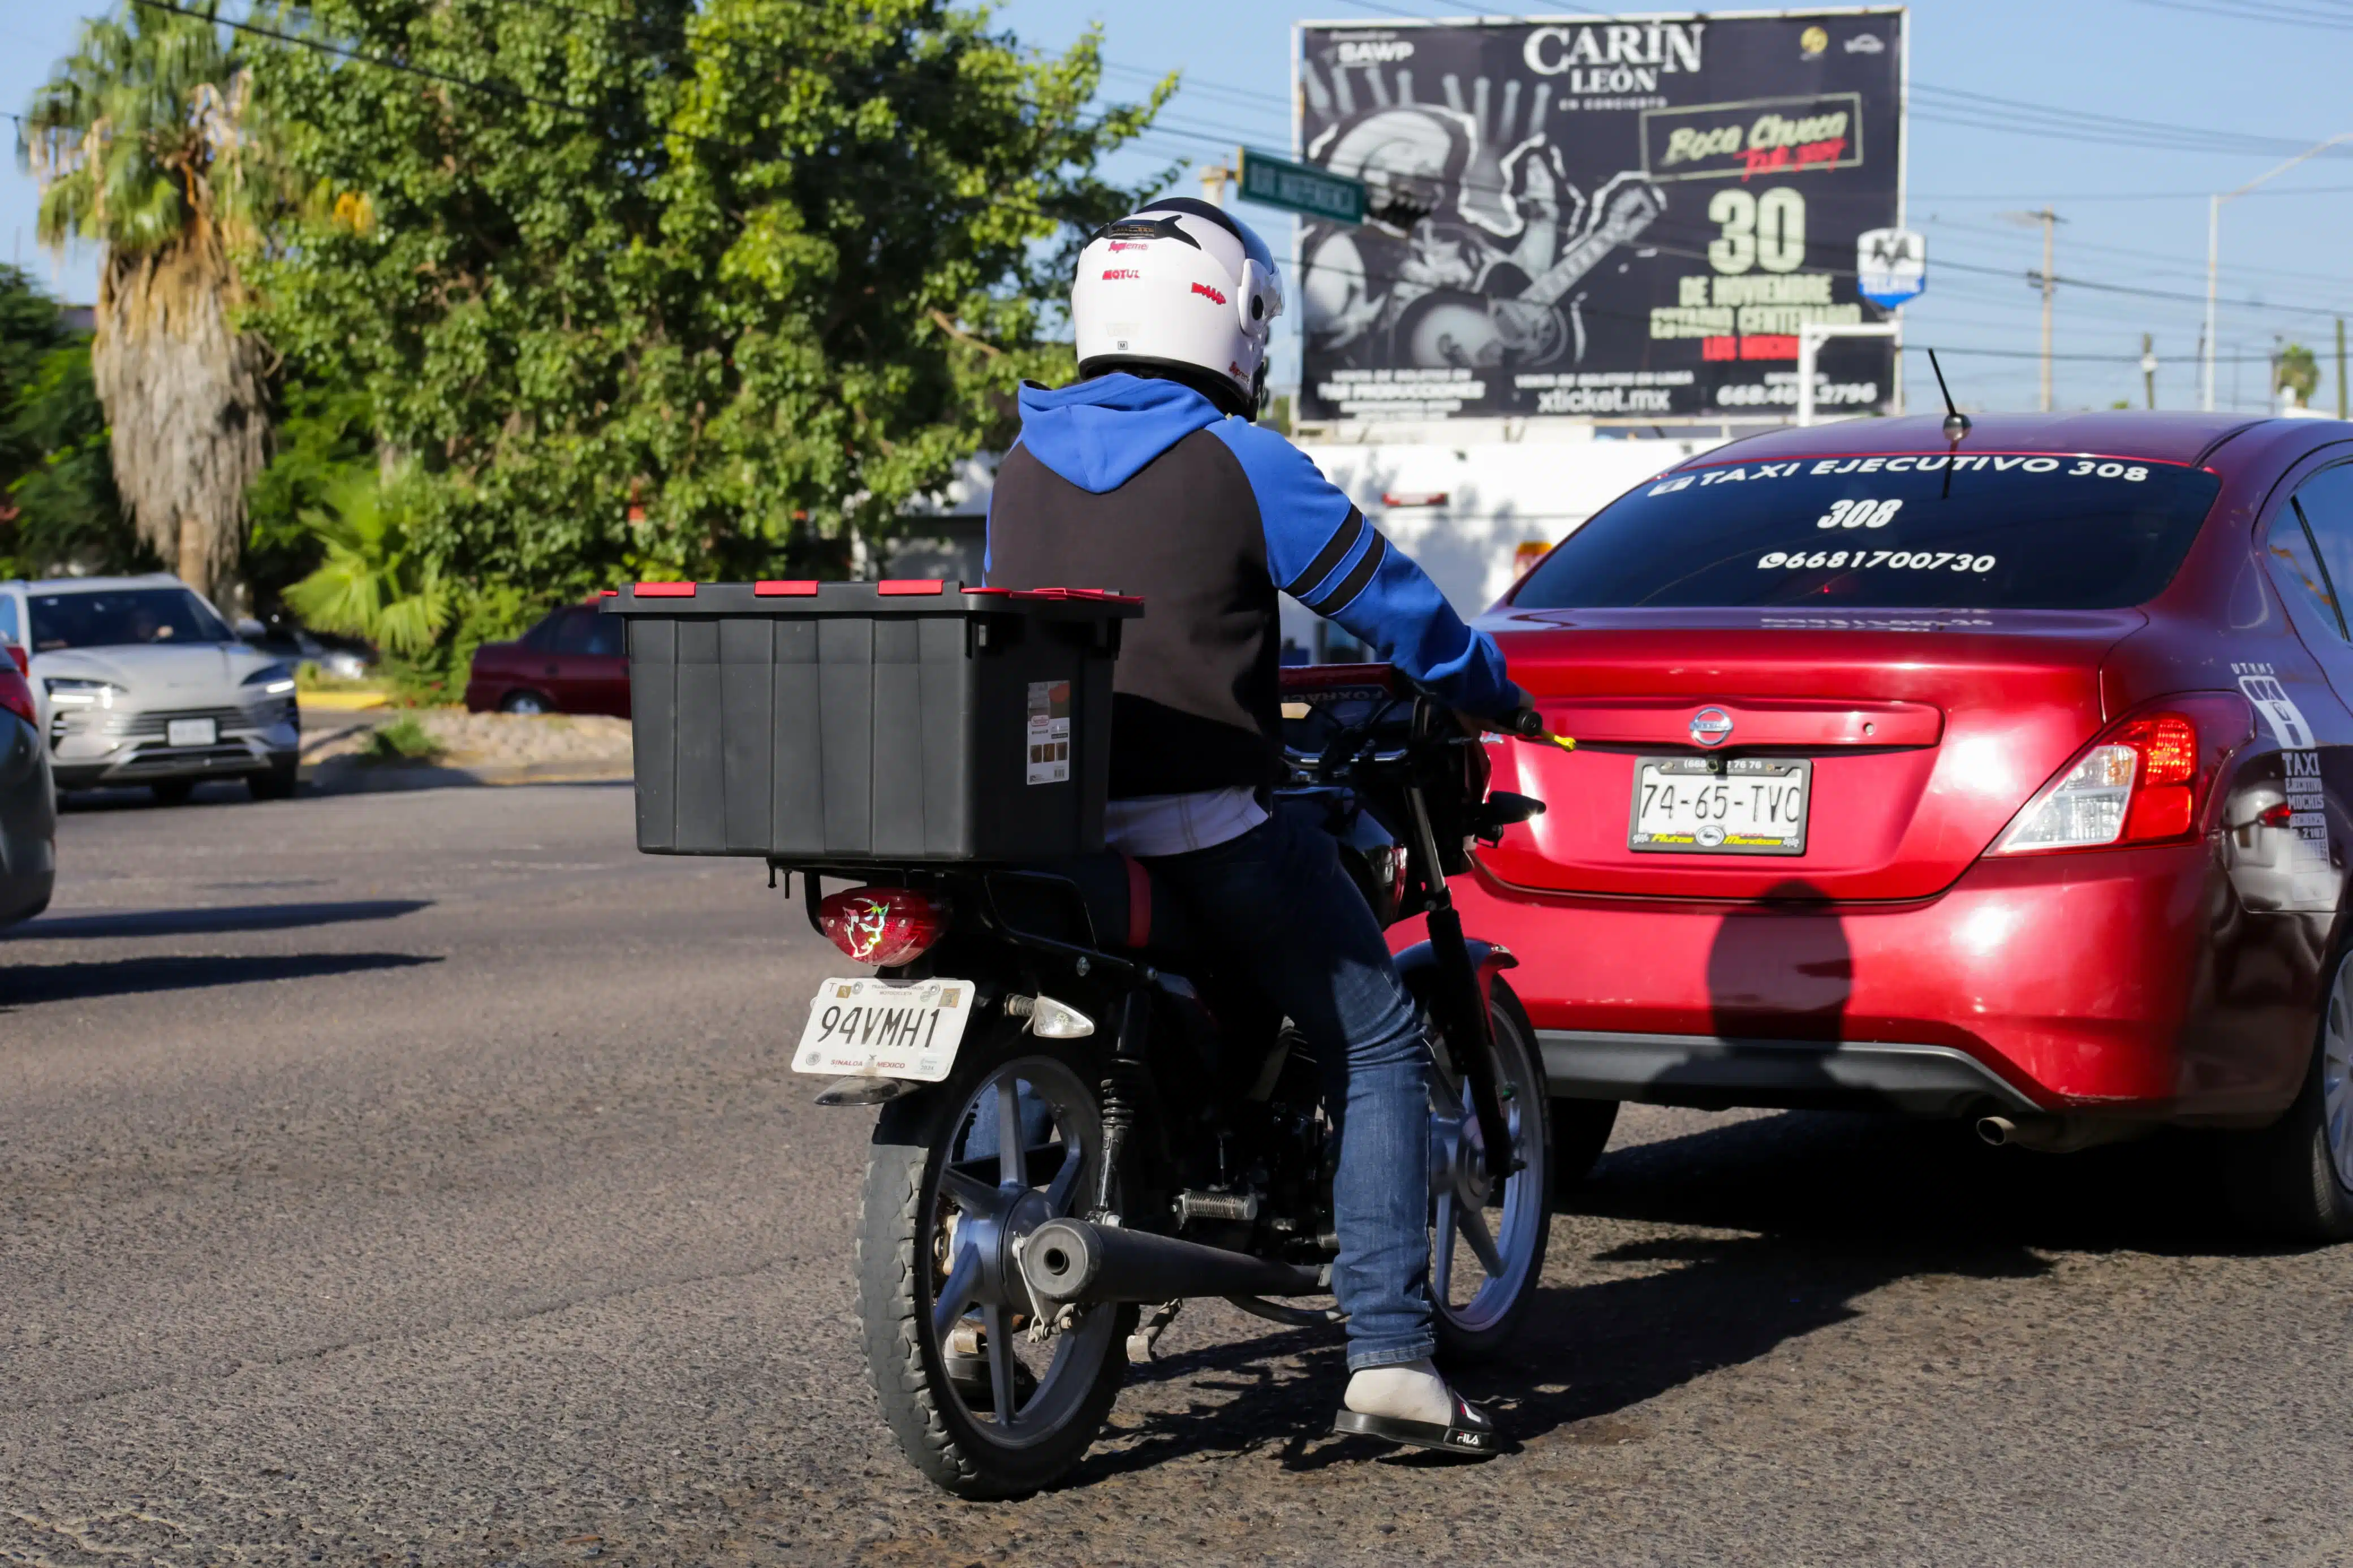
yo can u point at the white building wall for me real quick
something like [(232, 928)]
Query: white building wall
[(1498, 496)]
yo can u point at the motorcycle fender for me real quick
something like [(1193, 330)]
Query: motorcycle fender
[(1418, 962)]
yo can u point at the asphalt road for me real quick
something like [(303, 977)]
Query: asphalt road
[(418, 1178)]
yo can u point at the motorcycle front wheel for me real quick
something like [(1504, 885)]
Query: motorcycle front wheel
[(983, 1400), (1487, 1242)]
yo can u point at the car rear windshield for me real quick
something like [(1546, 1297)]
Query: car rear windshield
[(1933, 531), (117, 616)]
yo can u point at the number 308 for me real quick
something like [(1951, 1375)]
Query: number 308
[(1860, 514)]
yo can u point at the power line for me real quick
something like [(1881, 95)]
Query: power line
[(1180, 132), (589, 115), (1986, 111), (2127, 196), (322, 46), (2184, 266), (2030, 275), (2259, 11)]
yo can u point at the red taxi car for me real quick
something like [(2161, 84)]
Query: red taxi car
[(2003, 778)]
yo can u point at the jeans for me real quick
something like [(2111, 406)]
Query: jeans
[(1278, 907)]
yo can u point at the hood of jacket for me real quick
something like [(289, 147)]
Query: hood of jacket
[(1099, 433)]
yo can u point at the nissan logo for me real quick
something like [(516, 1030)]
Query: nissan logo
[(1709, 727)]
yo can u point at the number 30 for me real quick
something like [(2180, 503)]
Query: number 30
[(1767, 231)]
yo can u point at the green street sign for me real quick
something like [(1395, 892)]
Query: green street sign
[(1297, 188)]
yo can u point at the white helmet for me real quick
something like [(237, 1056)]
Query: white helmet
[(1179, 286)]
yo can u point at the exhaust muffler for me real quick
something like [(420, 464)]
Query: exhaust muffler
[(1069, 1261), (2059, 1134)]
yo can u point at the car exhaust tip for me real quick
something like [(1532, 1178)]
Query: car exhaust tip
[(2061, 1134)]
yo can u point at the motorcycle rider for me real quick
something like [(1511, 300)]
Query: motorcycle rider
[(1148, 476)]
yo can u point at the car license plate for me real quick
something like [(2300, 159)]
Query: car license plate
[(873, 1028), (1720, 806), (190, 732)]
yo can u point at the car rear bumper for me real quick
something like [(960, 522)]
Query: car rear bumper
[(1691, 1069), (2127, 982)]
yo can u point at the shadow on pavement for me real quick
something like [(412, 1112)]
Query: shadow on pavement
[(26, 984), (139, 798), (333, 778), (1824, 1209), (189, 923)]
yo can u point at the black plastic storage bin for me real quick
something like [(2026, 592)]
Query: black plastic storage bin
[(895, 721)]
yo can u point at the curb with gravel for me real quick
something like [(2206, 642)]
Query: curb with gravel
[(377, 778), (470, 750)]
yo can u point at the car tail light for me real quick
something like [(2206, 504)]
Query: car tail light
[(15, 696), (882, 926), (2141, 782), (19, 657)]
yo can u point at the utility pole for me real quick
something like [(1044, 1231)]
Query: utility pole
[(2050, 287), (2148, 366), (2214, 246), (1214, 178), (2049, 221), (2343, 412)]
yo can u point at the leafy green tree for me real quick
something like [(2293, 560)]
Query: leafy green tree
[(30, 326), (648, 288), (30, 329), (67, 515), (322, 436), (60, 507), (145, 143)]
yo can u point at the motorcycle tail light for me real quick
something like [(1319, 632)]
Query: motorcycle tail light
[(19, 657), (2141, 782), (882, 926)]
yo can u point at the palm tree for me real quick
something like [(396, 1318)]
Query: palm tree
[(2296, 369), (144, 142), (378, 580)]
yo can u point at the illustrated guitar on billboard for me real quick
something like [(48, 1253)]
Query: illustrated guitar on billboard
[(1480, 330)]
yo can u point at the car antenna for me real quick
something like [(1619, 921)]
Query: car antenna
[(1956, 424)]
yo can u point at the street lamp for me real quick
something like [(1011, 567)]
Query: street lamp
[(2214, 241)]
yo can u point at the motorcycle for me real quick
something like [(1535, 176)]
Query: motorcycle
[(1123, 1128)]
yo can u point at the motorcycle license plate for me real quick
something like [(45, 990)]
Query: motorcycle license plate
[(871, 1028), (1720, 806)]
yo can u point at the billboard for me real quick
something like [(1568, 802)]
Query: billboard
[(1617, 217)]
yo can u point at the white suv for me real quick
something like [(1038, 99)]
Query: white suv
[(138, 680)]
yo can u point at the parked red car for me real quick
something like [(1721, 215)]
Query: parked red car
[(572, 662), (2005, 778)]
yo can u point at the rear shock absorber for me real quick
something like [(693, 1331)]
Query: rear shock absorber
[(1122, 1093)]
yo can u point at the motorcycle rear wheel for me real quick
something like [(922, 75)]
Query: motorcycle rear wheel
[(1487, 1247), (976, 1405)]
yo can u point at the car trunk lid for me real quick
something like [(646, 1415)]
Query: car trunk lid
[(1926, 732)]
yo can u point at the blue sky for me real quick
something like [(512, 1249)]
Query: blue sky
[(2135, 214)]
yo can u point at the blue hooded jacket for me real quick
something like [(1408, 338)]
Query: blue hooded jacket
[(1099, 433)]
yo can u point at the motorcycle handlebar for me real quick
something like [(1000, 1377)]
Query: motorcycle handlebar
[(1307, 680), (1527, 725)]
